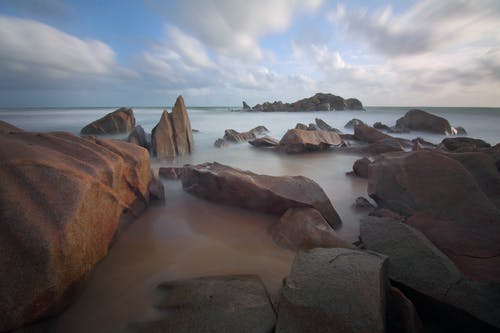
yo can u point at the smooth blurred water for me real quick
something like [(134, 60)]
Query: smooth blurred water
[(186, 237)]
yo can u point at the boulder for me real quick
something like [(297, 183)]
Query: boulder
[(116, 122), (305, 228), (264, 142), (463, 144), (360, 167), (220, 143), (172, 173), (63, 201), (301, 126), (353, 122), (156, 189), (297, 141), (434, 283), (246, 107), (172, 136), (334, 290), (446, 203), (139, 137), (322, 125), (268, 194), (237, 303), (419, 120), (231, 135), (382, 127), (369, 134)]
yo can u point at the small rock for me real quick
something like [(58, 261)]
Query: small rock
[(363, 203), (156, 189), (353, 122), (360, 167), (172, 173), (264, 142), (378, 125)]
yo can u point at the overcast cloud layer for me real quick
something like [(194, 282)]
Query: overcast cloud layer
[(220, 52)]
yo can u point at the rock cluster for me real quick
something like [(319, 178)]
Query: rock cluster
[(63, 201), (318, 102)]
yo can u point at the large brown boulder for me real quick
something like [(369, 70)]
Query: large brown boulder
[(298, 141), (116, 122), (334, 290), (63, 199), (369, 134), (446, 203), (172, 136), (305, 228), (268, 194), (419, 120), (233, 303)]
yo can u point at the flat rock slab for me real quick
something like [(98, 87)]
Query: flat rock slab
[(238, 303), (267, 194), (417, 264), (334, 290)]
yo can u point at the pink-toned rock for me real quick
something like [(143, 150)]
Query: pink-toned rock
[(63, 199), (116, 122), (297, 140), (268, 194), (305, 228)]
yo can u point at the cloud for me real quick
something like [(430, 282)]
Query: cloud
[(427, 26), (34, 55), (234, 27)]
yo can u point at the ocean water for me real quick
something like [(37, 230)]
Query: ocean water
[(187, 237)]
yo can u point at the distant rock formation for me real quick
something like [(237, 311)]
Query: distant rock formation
[(318, 102), (172, 136), (246, 107), (116, 122)]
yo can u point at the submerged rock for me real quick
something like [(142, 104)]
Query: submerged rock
[(116, 122), (298, 141), (63, 201), (334, 290), (231, 135), (419, 120), (233, 303), (305, 228), (353, 122), (267, 194), (264, 142)]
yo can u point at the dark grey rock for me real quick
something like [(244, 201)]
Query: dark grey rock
[(353, 122)]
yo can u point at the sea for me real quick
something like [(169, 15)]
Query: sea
[(186, 237)]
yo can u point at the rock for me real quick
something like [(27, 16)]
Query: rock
[(323, 107), (231, 135), (334, 290), (423, 143), (417, 146), (446, 203), (172, 173), (172, 136), (360, 167), (378, 125), (463, 144), (219, 143), (63, 201), (264, 142), (388, 214), (402, 316), (398, 130), (246, 107), (138, 137), (6, 128), (268, 194), (383, 146), (419, 120), (116, 122), (353, 104), (363, 204), (237, 303), (353, 122), (313, 127), (195, 130), (322, 125), (156, 189), (301, 126), (298, 141), (461, 131), (305, 228), (416, 264), (369, 134)]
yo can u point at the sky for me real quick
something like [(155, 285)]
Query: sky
[(221, 52)]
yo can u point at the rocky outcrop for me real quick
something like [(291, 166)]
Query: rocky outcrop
[(246, 107), (446, 203), (318, 102), (298, 141), (139, 137), (116, 122), (419, 120), (334, 290), (305, 228), (234, 303), (434, 283), (172, 136), (264, 142), (268, 194), (63, 200)]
